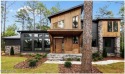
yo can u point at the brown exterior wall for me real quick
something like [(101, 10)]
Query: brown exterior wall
[(105, 31), (69, 47), (67, 17)]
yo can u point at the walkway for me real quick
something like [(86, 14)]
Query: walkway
[(105, 62)]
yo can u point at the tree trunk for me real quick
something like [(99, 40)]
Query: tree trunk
[(4, 22), (86, 66)]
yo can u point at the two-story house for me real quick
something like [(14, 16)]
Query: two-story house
[(66, 32), (65, 35)]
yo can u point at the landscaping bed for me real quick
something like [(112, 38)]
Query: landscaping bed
[(31, 62), (25, 64), (75, 68), (113, 58)]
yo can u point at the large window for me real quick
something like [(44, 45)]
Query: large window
[(35, 42), (27, 44), (115, 26), (59, 24), (112, 26), (75, 40), (109, 26), (75, 22)]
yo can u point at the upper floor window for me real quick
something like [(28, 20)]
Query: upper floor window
[(112, 26), (59, 24), (115, 26), (75, 40), (75, 22), (109, 26)]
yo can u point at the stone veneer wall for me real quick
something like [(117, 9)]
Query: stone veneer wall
[(100, 37), (117, 46), (16, 49)]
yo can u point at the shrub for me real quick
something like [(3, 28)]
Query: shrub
[(11, 51), (122, 52), (96, 56), (77, 59), (100, 58), (32, 62), (69, 59), (68, 64), (104, 54), (38, 56), (45, 55)]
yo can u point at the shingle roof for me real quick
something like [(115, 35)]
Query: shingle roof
[(81, 5)]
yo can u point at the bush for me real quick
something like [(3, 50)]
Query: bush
[(77, 59), (69, 59), (45, 55), (32, 62), (67, 64), (104, 54), (11, 51), (96, 56), (122, 52), (38, 56)]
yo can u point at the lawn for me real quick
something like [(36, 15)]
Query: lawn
[(8, 62), (112, 68)]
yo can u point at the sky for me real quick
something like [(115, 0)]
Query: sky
[(115, 7)]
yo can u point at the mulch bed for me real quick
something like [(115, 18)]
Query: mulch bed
[(113, 58), (25, 64), (75, 69)]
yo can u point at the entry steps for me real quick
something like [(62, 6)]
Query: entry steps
[(61, 57)]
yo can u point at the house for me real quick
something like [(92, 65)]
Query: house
[(65, 34)]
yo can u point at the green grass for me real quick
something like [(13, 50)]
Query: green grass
[(9, 62), (112, 68)]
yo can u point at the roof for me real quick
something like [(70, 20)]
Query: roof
[(60, 12), (109, 18), (32, 31), (12, 37)]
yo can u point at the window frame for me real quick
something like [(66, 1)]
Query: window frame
[(75, 42), (108, 26), (75, 20), (58, 25), (115, 23)]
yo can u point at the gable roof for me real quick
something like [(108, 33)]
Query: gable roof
[(60, 12)]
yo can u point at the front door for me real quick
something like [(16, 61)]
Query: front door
[(58, 45), (109, 44)]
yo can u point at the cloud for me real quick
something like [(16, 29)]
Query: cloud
[(27, 8)]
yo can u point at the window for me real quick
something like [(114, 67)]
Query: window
[(38, 44), (115, 26), (27, 44), (37, 35), (59, 24), (94, 43), (27, 35), (75, 22), (75, 40), (109, 26)]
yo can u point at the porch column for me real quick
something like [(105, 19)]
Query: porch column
[(100, 37), (117, 46)]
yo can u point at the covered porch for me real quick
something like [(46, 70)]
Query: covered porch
[(65, 41)]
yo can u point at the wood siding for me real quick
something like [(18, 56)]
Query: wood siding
[(105, 29), (67, 17)]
